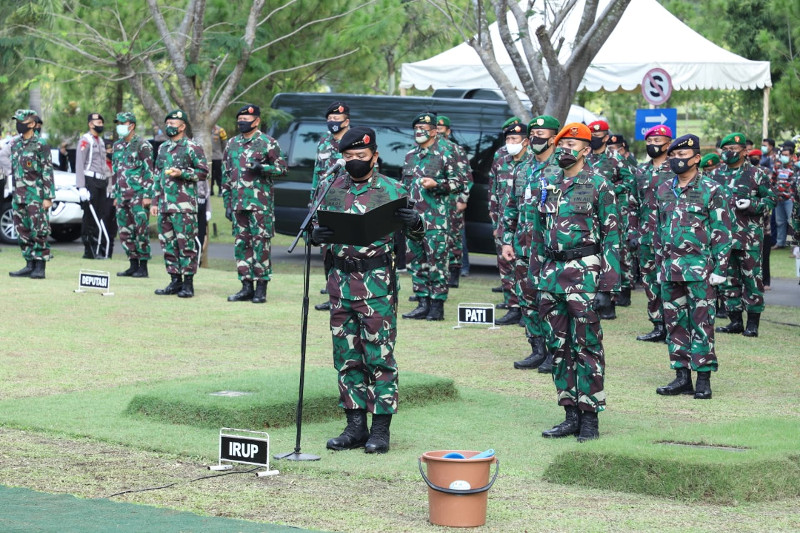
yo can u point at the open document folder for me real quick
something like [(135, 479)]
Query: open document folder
[(363, 229)]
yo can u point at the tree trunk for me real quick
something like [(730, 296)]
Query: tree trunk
[(35, 98)]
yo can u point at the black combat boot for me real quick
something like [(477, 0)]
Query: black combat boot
[(721, 311), (421, 312), (174, 286), (513, 316), (413, 298), (608, 312), (589, 427), (497, 289), (187, 289), (502, 305), (260, 296), (323, 291), (324, 306), (455, 274), (379, 434), (436, 311), (752, 325), (702, 390), (537, 356), (88, 249), (131, 269), (570, 426), (736, 325), (658, 334), (38, 270), (141, 272), (547, 366), (682, 384), (624, 297), (245, 294), (355, 434), (23, 272)]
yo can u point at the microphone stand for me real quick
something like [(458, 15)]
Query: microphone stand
[(305, 230)]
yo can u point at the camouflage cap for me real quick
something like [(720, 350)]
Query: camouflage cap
[(357, 138), (23, 114), (424, 118), (733, 138), (575, 130), (544, 122), (177, 114), (516, 129), (125, 116), (686, 142), (509, 122), (709, 160), (442, 120)]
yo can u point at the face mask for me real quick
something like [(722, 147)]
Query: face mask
[(785, 159), (245, 126), (123, 130), (566, 157), (421, 136), (98, 129), (596, 143), (171, 131), (513, 149), (538, 145), (679, 166), (22, 128), (754, 160), (729, 156), (765, 150), (654, 150), (358, 168), (334, 126)]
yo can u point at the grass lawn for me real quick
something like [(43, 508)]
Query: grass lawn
[(74, 363)]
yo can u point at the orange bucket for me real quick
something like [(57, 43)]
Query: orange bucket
[(458, 489)]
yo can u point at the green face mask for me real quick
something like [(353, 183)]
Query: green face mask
[(171, 131), (566, 158)]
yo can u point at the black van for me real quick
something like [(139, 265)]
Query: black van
[(475, 124)]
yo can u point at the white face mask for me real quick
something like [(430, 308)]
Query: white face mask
[(421, 136), (513, 149), (123, 130)]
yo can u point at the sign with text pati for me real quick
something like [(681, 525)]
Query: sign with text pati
[(94, 280), (480, 314), (647, 118)]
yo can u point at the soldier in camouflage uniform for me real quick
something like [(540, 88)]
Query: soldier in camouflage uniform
[(32, 175), (750, 196), (649, 176), (362, 286), (132, 168), (691, 243), (250, 162), (619, 174), (456, 247), (431, 176), (575, 265), (337, 117), (180, 165), (519, 212)]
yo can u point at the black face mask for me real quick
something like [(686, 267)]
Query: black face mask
[(567, 158), (245, 126), (538, 144), (98, 129), (655, 150), (22, 128), (358, 168), (755, 160), (334, 126), (596, 143), (679, 166)]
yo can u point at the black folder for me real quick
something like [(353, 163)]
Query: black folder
[(363, 229)]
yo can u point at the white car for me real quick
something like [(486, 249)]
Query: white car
[(66, 213)]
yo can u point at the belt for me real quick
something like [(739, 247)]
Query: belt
[(352, 264), (575, 253), (95, 175)]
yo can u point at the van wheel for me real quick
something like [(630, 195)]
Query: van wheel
[(8, 233)]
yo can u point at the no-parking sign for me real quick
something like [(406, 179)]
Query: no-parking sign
[(657, 86)]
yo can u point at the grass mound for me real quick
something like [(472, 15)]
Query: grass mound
[(747, 461), (267, 400)]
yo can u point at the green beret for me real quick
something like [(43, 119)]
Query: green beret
[(733, 138), (544, 122), (442, 120), (424, 118), (510, 122), (23, 114), (125, 116), (709, 160), (178, 114)]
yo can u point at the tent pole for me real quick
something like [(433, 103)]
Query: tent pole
[(765, 120)]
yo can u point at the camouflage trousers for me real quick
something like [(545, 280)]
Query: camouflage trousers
[(574, 336), (507, 278), (364, 333), (252, 245), (133, 228), (456, 245), (744, 288), (649, 270), (177, 233), (527, 297), (625, 265), (689, 311), (32, 223), (428, 264)]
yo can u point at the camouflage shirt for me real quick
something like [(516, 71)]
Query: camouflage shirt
[(327, 155), (500, 184), (648, 178), (692, 238), (179, 195), (349, 197), (578, 212), (752, 183), (132, 166), (464, 170), (32, 170), (436, 162), (620, 175), (242, 188)]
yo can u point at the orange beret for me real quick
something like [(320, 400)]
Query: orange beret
[(575, 130)]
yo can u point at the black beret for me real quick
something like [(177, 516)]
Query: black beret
[(616, 139), (516, 129), (249, 109), (689, 141), (357, 138), (338, 108), (427, 117)]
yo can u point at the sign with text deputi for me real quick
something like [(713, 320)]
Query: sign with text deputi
[(94, 281), (480, 314), (243, 446), (648, 118)]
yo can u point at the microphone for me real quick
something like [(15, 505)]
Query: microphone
[(333, 170)]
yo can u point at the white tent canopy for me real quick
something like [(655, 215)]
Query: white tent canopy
[(692, 61)]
